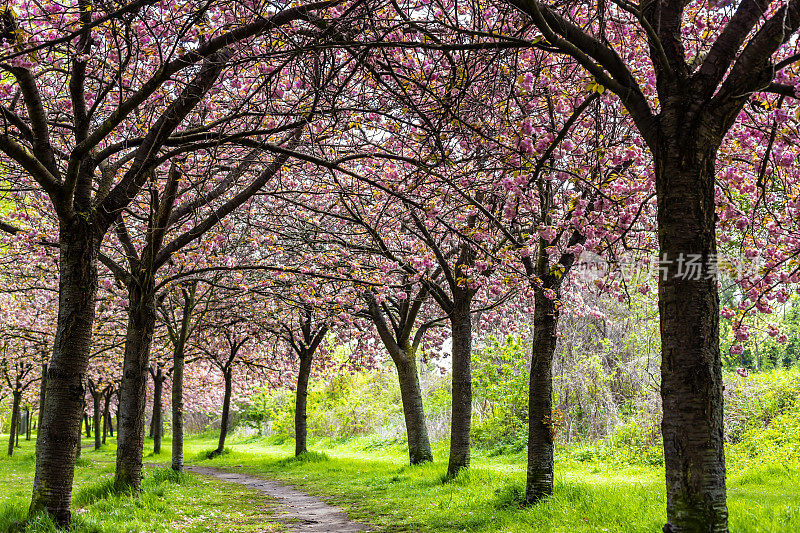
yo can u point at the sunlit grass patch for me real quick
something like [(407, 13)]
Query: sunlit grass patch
[(167, 502), (382, 489)]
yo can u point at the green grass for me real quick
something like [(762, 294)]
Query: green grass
[(168, 502), (370, 480), (372, 483)]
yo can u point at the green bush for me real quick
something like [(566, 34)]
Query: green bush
[(778, 441), (753, 402), (500, 394), (340, 407)]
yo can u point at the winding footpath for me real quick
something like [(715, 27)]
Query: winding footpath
[(300, 512)]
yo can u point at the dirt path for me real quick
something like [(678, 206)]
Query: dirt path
[(298, 511)]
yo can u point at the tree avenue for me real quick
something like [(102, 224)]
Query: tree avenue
[(202, 203)]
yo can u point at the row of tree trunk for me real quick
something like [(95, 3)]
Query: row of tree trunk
[(100, 424), (19, 424), (22, 423), (694, 317)]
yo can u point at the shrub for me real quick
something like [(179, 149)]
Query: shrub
[(753, 402), (778, 441)]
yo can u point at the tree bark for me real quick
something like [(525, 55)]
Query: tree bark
[(158, 423), (419, 446), (28, 423), (58, 432), (87, 426), (12, 434), (132, 392), (226, 409), (540, 399), (461, 322), (691, 368), (301, 404)]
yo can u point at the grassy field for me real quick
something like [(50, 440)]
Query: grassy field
[(372, 483), (167, 503)]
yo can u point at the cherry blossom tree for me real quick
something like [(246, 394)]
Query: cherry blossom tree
[(302, 329), (228, 343), (177, 313), (88, 134), (395, 320), (683, 103)]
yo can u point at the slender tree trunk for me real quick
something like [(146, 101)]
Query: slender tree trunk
[(87, 426), (177, 409), (461, 322), (97, 399), (28, 423), (540, 399), (158, 427), (419, 446), (132, 392), (42, 389), (178, 363), (403, 354), (226, 409), (58, 432), (301, 404), (106, 414), (14, 421), (691, 369)]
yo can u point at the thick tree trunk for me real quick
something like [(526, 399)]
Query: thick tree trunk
[(691, 375), (419, 446), (461, 321), (158, 423), (301, 405), (14, 421), (42, 389), (132, 392), (97, 399), (540, 397), (226, 410), (58, 433)]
